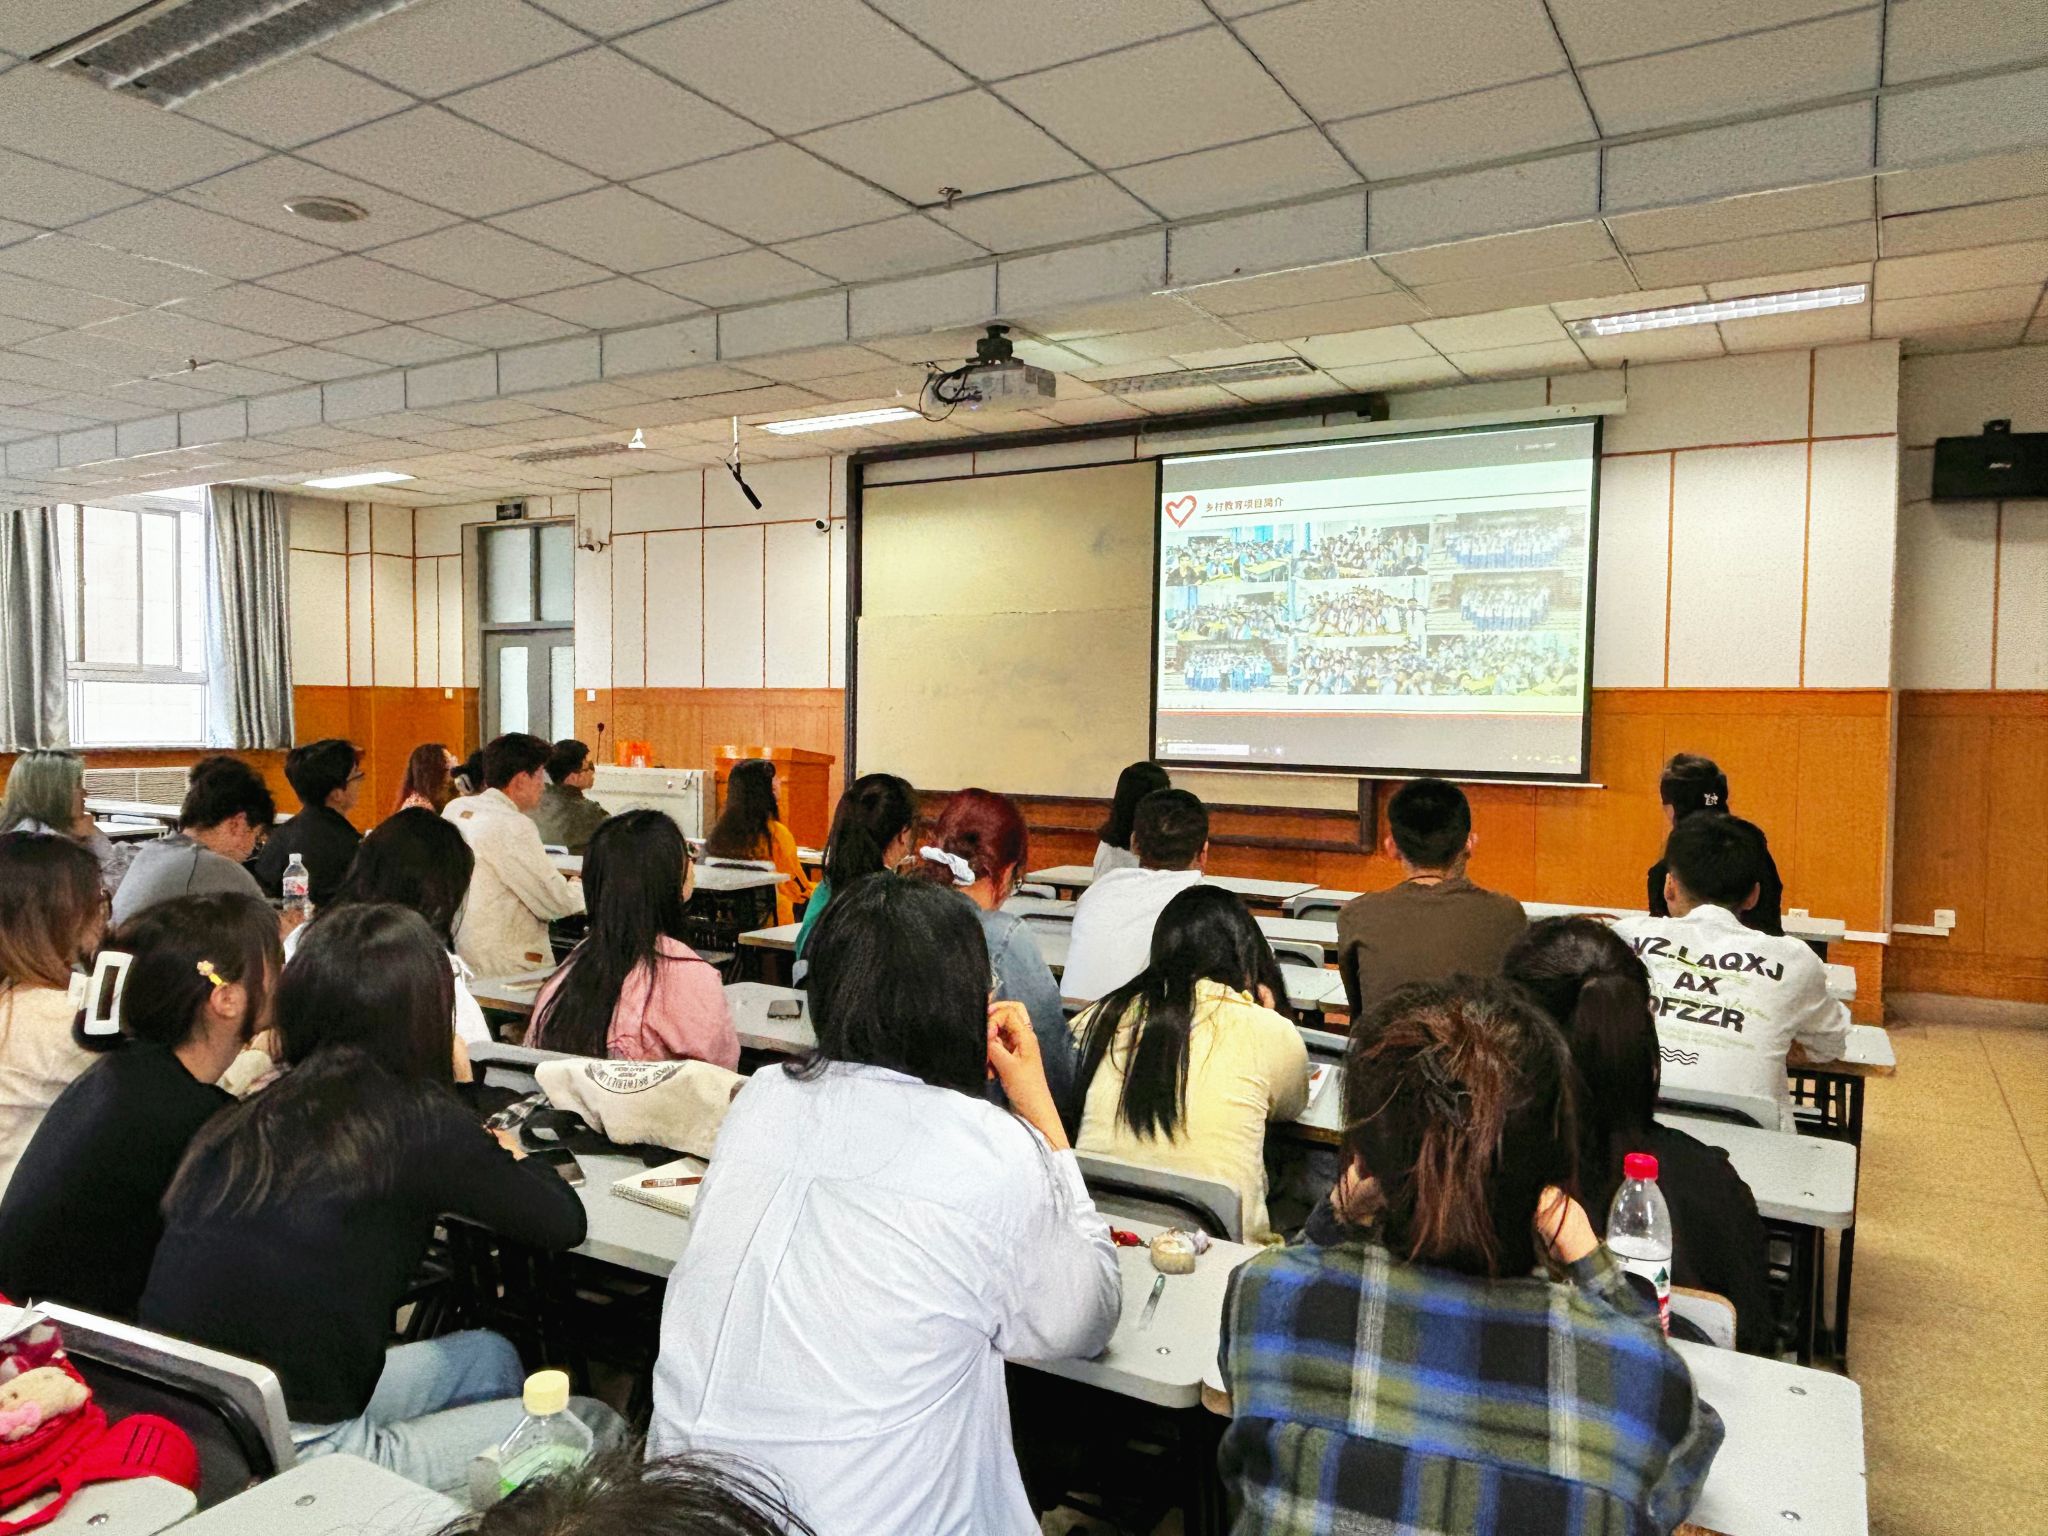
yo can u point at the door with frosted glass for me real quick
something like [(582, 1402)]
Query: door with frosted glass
[(529, 643)]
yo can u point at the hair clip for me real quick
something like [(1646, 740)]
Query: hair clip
[(205, 968), (1710, 798), (963, 872)]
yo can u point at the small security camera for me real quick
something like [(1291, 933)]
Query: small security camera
[(821, 524)]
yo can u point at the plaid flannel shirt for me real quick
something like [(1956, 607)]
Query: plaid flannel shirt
[(1373, 1395)]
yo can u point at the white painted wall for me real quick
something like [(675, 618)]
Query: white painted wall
[(376, 595)]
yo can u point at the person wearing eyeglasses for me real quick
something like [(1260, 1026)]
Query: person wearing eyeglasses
[(225, 817), (327, 776)]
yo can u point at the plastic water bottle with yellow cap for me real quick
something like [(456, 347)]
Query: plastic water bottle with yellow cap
[(549, 1439)]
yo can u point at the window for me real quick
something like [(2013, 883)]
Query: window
[(135, 621)]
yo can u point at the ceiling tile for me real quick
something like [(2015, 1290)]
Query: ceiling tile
[(12, 233), (1312, 285), (27, 29), (499, 325), (1775, 333), (444, 46), (285, 316), (291, 103), (1993, 336), (1741, 218), (1468, 129), (65, 119), (1785, 282), (70, 263), (1904, 317), (1586, 280), (1754, 258), (174, 330), (1273, 169), (605, 306), (606, 114), (1907, 277), (400, 346), (1032, 216), (26, 299), (619, 229), (252, 378), (970, 141), (1357, 349), (776, 192), (1184, 93), (1339, 58), (449, 162), (608, 18), (388, 293), (1362, 314), (991, 42), (1942, 37), (489, 261), (1515, 197), (795, 65), (256, 194), (1122, 353), (1511, 328), (108, 355), (1986, 179), (54, 196), (315, 365), (195, 237), (1501, 255), (1597, 30), (912, 243), (1914, 234), (1656, 298), (818, 364), (1511, 362), (1740, 75), (748, 277), (1678, 344)]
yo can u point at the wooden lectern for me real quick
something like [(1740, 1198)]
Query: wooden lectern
[(803, 781)]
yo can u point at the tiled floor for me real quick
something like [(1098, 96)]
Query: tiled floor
[(1949, 1335)]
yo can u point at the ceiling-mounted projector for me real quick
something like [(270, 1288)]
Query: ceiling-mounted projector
[(996, 380)]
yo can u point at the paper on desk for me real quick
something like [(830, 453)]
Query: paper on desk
[(1317, 1076)]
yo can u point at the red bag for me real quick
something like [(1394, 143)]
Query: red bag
[(78, 1447)]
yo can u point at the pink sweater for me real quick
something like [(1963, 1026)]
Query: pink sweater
[(669, 1011)]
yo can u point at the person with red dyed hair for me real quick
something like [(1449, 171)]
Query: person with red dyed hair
[(979, 847)]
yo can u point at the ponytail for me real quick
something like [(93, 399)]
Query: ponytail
[(874, 811), (179, 952)]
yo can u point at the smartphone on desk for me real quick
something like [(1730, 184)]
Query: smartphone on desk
[(785, 1008), (563, 1161)]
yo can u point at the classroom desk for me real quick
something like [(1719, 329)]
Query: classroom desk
[(139, 1506), (131, 831), (1078, 877), (329, 1495), (1818, 930), (509, 994), (748, 1002), (725, 879), (1793, 1456), (138, 810)]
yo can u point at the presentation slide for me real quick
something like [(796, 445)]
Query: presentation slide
[(1401, 604)]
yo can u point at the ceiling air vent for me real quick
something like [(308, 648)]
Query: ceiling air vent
[(168, 51), (573, 451), (1188, 378)]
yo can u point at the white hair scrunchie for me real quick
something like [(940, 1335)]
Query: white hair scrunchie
[(963, 872)]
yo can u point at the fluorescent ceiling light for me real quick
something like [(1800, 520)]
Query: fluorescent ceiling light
[(1751, 308), (348, 482), (835, 423)]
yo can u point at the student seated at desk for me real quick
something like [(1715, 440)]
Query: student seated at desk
[(1112, 938), (621, 1493), (52, 913), (750, 827), (46, 793), (516, 892), (1696, 786), (299, 1218), (979, 847), (874, 1237), (226, 814), (327, 776), (1436, 923), (871, 831), (1730, 1003), (1185, 1065), (1591, 983), (1113, 846), (80, 1222), (633, 990), (429, 782), (1503, 1378), (566, 815), (416, 860)]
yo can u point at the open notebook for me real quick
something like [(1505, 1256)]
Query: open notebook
[(676, 1199)]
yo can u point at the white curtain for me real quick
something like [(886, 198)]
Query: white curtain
[(248, 648), (35, 708)]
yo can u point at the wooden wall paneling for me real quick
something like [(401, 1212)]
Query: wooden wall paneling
[(1943, 822), (1842, 819), (2016, 916)]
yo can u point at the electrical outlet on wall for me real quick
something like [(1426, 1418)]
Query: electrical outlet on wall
[(1944, 917)]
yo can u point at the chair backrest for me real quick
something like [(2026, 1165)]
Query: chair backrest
[(1710, 1104), (1155, 1194), (498, 1065), (1298, 949), (1325, 1045), (1710, 1312), (1032, 888), (1315, 906), (232, 1408)]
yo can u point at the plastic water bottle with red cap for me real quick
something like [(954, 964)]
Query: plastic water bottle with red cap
[(1639, 1232)]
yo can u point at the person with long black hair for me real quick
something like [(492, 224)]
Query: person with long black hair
[(633, 990), (1185, 1065), (1692, 785), (1113, 848), (80, 1220), (298, 1219), (872, 828), (1597, 990), (750, 827)]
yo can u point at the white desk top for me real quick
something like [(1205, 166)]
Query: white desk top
[(509, 994), (725, 879), (327, 1495), (1809, 1180), (1867, 1052), (139, 1506), (1826, 929), (782, 937), (1080, 876), (1794, 1451), (144, 809), (749, 1002), (567, 863)]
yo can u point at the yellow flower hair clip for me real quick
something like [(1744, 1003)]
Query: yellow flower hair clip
[(205, 968)]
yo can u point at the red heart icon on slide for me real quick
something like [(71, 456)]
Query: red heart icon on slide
[(1180, 509)]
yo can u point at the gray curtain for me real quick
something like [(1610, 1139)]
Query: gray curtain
[(35, 706), (248, 648)]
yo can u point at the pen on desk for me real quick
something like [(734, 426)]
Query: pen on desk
[(1152, 1302), (695, 1178)]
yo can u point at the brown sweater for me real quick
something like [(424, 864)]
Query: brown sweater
[(1415, 932)]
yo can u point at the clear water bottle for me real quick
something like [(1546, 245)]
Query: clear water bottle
[(298, 888), (549, 1439), (1639, 1232)]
